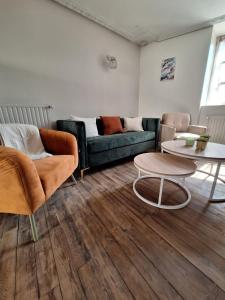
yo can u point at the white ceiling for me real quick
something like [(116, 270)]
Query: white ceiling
[(143, 21)]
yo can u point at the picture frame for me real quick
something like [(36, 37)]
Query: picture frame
[(168, 69)]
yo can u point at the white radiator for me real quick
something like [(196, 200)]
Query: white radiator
[(216, 128), (26, 114)]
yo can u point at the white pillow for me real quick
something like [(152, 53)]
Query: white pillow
[(133, 124), (90, 125)]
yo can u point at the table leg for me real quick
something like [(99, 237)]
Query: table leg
[(160, 191), (159, 204), (214, 182), (139, 173)]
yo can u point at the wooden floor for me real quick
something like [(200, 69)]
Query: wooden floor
[(98, 241)]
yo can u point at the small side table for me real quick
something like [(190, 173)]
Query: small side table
[(163, 166)]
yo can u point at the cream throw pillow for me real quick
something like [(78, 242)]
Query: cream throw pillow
[(133, 124), (90, 125)]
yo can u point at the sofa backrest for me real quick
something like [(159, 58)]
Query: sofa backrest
[(147, 123)]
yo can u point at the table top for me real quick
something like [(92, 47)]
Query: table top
[(212, 151), (164, 164)]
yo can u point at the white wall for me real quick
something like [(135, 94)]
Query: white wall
[(184, 92), (50, 55)]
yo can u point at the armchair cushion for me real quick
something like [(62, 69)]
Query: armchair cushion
[(179, 120), (53, 171), (185, 135)]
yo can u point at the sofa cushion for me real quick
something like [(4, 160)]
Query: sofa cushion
[(133, 124), (100, 158), (111, 124), (53, 171), (100, 125), (90, 125), (107, 142)]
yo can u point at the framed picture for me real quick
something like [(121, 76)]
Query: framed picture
[(168, 69)]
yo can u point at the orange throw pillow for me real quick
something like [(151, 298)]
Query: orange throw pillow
[(111, 124)]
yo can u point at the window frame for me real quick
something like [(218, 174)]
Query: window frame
[(219, 39)]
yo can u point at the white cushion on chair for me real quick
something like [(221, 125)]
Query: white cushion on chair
[(185, 135)]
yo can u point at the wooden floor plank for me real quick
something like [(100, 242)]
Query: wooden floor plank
[(99, 241), (3, 220), (109, 277), (8, 249), (137, 284), (151, 274), (187, 218), (172, 261), (54, 294), (69, 281), (89, 277), (26, 285), (198, 253), (47, 276)]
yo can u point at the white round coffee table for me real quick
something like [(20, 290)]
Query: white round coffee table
[(163, 166), (213, 153)]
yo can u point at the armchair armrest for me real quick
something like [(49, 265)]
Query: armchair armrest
[(197, 129), (152, 124), (21, 191), (58, 143), (77, 128), (167, 133)]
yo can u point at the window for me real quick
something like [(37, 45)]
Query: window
[(217, 86)]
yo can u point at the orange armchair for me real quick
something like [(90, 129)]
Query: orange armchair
[(25, 185)]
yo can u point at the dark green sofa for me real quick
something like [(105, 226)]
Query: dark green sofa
[(102, 149)]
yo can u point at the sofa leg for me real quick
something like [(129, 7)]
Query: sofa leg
[(73, 178), (33, 228), (82, 174)]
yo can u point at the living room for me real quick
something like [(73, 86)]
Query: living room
[(112, 149)]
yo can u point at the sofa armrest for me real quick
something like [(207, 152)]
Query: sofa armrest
[(152, 124), (197, 129), (21, 191), (77, 128), (167, 133)]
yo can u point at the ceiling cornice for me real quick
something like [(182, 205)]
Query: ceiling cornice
[(74, 5)]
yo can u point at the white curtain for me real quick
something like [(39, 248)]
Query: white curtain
[(216, 94)]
